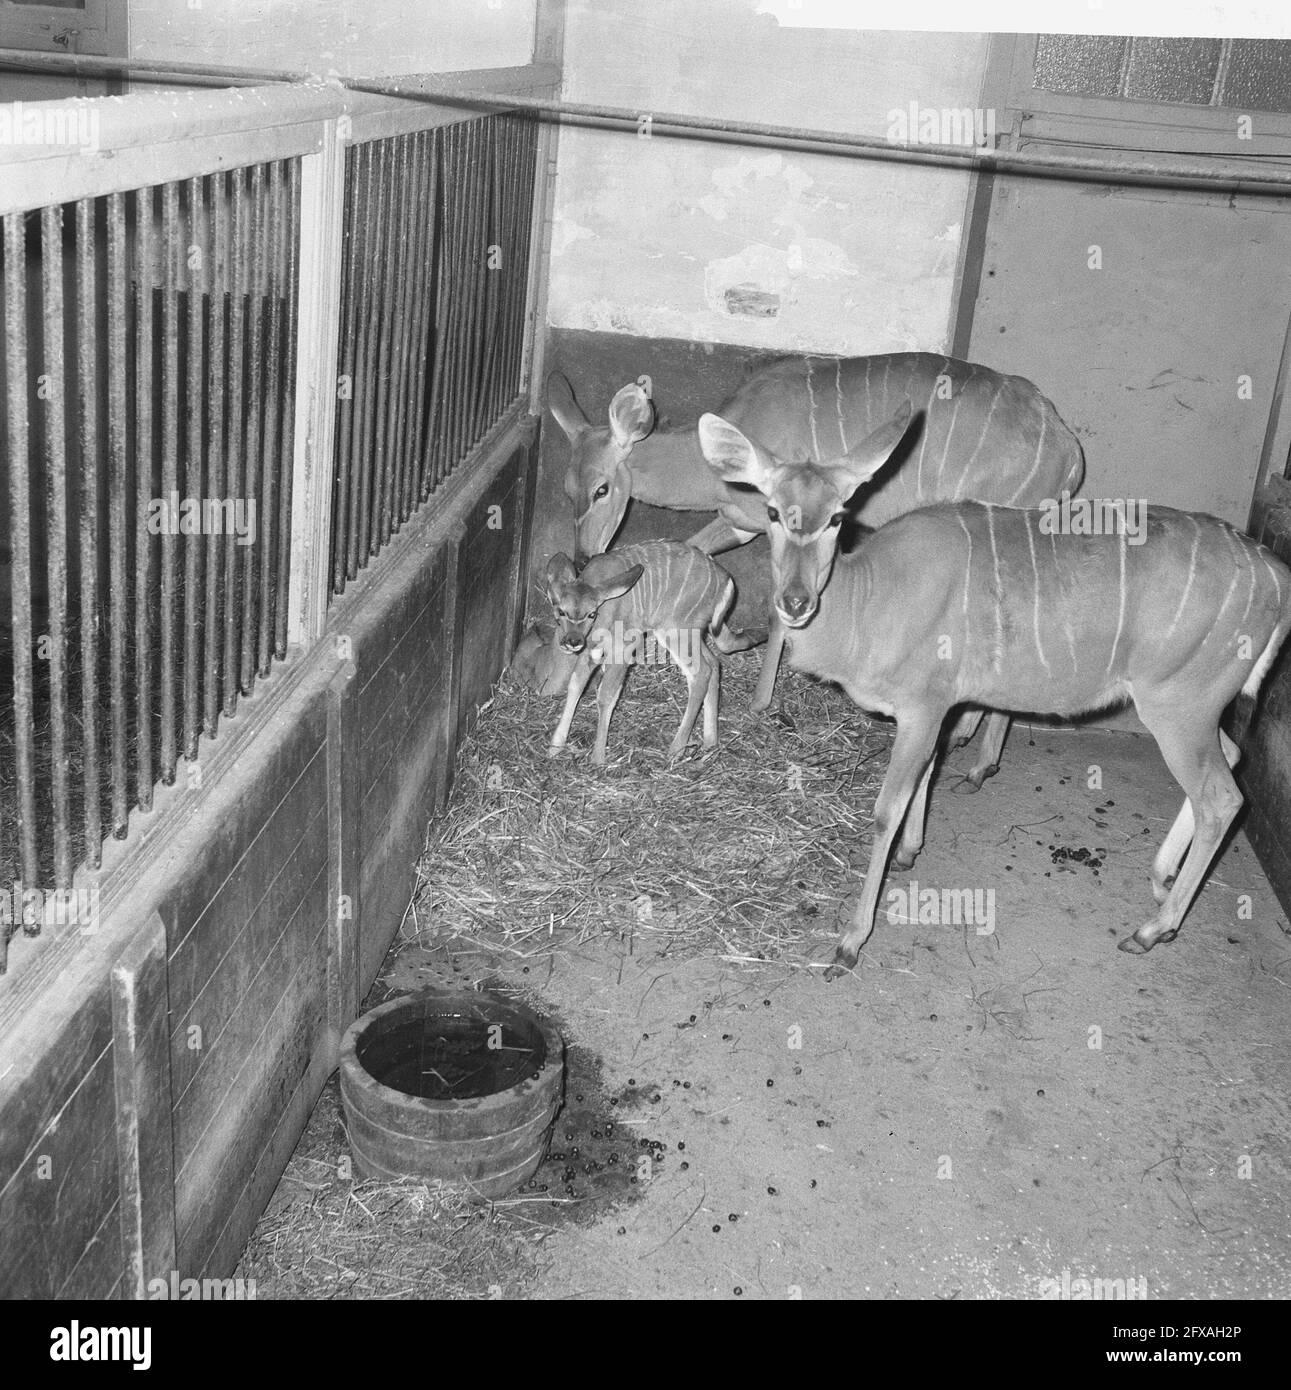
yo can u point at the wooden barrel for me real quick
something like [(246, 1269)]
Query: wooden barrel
[(452, 1088)]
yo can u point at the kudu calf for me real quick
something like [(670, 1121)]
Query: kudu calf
[(659, 589)]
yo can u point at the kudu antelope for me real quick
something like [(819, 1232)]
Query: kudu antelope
[(986, 605), (980, 434), (660, 589)]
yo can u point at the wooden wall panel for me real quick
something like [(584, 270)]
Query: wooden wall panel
[(59, 1176)]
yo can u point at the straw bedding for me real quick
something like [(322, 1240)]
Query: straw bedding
[(743, 853)]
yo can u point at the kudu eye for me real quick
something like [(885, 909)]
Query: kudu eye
[(602, 491), (773, 513), (837, 518)]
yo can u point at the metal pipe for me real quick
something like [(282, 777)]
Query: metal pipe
[(682, 125)]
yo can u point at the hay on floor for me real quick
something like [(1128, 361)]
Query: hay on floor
[(744, 853)]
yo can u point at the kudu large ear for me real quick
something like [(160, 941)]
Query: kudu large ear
[(861, 463), (564, 408), (631, 415), (560, 570), (606, 581), (731, 453)]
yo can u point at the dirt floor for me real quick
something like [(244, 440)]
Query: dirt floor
[(1002, 1108)]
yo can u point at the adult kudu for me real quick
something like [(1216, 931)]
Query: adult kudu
[(991, 606), (976, 433)]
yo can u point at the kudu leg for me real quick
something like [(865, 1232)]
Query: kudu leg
[(1165, 867), (612, 678), (912, 827), (1199, 761), (965, 727), (912, 753), (988, 760), (578, 679), (770, 664), (712, 700), (697, 673)]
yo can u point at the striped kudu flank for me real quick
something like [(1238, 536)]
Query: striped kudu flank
[(977, 434), (662, 589), (966, 603)]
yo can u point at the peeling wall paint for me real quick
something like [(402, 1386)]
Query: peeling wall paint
[(733, 243), (358, 38)]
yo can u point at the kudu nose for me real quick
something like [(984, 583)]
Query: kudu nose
[(795, 603)]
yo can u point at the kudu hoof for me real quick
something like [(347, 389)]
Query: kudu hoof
[(980, 774), (1136, 946), (844, 963), (901, 860)]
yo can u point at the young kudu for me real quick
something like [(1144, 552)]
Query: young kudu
[(979, 434), (659, 589), (987, 605)]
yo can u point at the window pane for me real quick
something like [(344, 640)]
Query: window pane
[(1172, 70), (1087, 65), (1258, 75)]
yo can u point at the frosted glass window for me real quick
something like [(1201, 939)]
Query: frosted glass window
[(1246, 74), (1083, 64), (1258, 75), (1181, 70)]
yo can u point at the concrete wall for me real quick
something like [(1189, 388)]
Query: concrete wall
[(359, 38), (727, 243)]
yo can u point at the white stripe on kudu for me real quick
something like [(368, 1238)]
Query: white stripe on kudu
[(659, 589), (875, 623), (777, 408)]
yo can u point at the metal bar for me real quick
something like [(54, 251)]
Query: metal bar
[(456, 141), (495, 276), (425, 307), (265, 530), (237, 371), (380, 515), (51, 237), (216, 429), (254, 447), (172, 278), (145, 446), (367, 486), (443, 311), (477, 173), (407, 367), (17, 439), (351, 259), (88, 559), (363, 313), (196, 258), (118, 483), (527, 329), (292, 236), (401, 309)]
